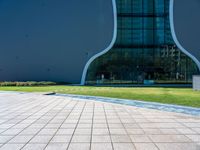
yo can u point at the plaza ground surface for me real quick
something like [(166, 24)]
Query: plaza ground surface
[(33, 121), (179, 96)]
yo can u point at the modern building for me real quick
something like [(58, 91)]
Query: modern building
[(145, 50), (100, 42)]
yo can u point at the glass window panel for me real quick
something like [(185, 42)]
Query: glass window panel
[(148, 6), (148, 22), (126, 6), (148, 37), (159, 6), (159, 23), (137, 6), (127, 23), (159, 37), (137, 23), (126, 37), (137, 37)]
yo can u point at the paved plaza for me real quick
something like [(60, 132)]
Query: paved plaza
[(37, 122)]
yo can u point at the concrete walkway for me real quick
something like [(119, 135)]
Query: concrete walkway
[(37, 122)]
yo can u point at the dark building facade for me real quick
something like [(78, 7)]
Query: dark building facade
[(51, 40), (100, 41), (144, 51)]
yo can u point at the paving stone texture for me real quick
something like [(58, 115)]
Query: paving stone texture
[(37, 122)]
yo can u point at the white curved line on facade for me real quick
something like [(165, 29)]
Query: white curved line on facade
[(105, 50), (171, 18)]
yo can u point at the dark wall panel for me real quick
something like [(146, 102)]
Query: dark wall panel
[(186, 22), (51, 39)]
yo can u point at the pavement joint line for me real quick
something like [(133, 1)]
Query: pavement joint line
[(92, 125), (26, 117), (22, 113), (123, 125), (185, 127), (17, 103), (143, 130), (76, 125), (158, 129), (48, 121), (16, 110), (62, 123), (34, 121), (108, 126)]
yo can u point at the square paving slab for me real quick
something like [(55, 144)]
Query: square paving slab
[(31, 121)]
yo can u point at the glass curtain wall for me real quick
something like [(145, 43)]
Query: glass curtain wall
[(144, 51)]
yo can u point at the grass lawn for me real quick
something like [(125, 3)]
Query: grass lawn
[(179, 96)]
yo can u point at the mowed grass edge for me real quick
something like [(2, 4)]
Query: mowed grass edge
[(178, 96)]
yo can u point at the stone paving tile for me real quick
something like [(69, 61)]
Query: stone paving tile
[(56, 146), (81, 139), (169, 131), (101, 146), (131, 126), (65, 126), (177, 146), (140, 138), (34, 121), (43, 139), (21, 126), (82, 132), (12, 132), (61, 139), (40, 126), (4, 139), (161, 125), (197, 130), (192, 125), (2, 130), (84, 126), (100, 131), (117, 131), (79, 146), (20, 139), (145, 146), (47, 132), (135, 131), (99, 125), (12, 147), (65, 132), (30, 131), (185, 131), (101, 139), (194, 138), (34, 146), (169, 138), (152, 131), (116, 126), (99, 121), (120, 139), (123, 146)]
